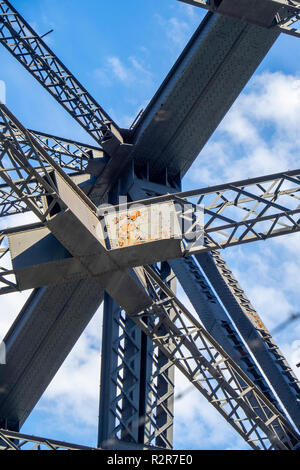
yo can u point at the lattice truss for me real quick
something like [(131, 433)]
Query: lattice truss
[(234, 213), (238, 212), (10, 440), (29, 49), (196, 354), (126, 420)]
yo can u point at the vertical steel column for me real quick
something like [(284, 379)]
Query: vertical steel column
[(165, 381), (125, 375), (122, 390), (109, 365), (137, 382), (161, 398), (162, 382)]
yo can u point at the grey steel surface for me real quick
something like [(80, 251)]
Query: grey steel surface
[(125, 377), (200, 88), (280, 15)]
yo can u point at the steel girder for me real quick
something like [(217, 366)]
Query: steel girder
[(137, 382), (283, 438), (216, 322), (72, 156), (281, 15), (122, 387), (207, 78), (17, 441), (3, 2), (241, 315), (118, 283), (137, 386), (34, 54), (211, 370), (38, 342), (236, 213)]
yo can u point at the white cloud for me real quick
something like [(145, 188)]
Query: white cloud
[(72, 399), (131, 72), (260, 134), (2, 91), (119, 70), (177, 31)]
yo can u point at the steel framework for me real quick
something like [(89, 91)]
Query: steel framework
[(86, 247)]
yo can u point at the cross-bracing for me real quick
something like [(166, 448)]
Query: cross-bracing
[(73, 265)]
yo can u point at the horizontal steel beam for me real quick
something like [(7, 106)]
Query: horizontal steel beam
[(218, 217), (229, 214), (11, 440), (275, 14)]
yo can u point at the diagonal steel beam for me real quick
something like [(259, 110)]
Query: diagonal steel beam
[(211, 370), (254, 332), (33, 53), (215, 320), (281, 15)]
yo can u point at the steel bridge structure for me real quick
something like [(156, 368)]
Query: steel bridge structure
[(87, 249)]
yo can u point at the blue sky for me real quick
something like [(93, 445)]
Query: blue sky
[(121, 51)]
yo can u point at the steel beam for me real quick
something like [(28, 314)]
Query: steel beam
[(281, 15), (216, 322), (126, 364), (207, 78), (38, 342), (211, 370), (137, 382), (16, 441), (33, 53), (253, 331), (220, 216)]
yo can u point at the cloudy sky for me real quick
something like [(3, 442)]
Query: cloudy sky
[(121, 51)]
